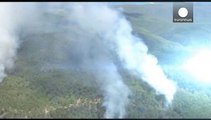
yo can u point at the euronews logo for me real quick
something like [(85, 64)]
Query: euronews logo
[(183, 12)]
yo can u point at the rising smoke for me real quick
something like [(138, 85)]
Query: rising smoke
[(134, 54), (8, 43), (96, 31), (95, 25), (13, 16)]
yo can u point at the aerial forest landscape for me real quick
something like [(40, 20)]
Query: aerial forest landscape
[(104, 60)]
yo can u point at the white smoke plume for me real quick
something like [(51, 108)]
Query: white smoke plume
[(97, 20), (13, 16), (134, 54), (8, 44), (115, 92), (7, 51)]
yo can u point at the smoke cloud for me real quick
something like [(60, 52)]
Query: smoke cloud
[(95, 32), (134, 54), (95, 22), (8, 44), (13, 16)]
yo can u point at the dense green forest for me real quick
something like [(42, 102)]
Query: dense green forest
[(31, 91)]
